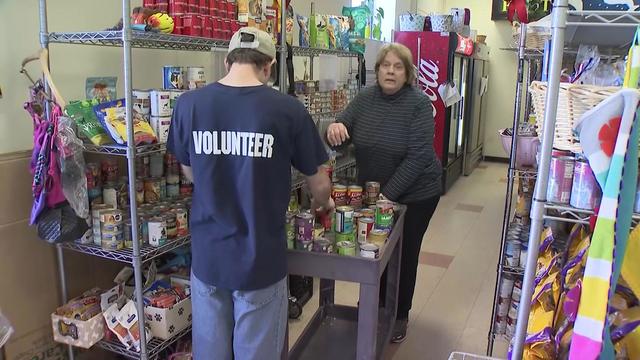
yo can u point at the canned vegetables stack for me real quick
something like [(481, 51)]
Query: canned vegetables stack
[(163, 197), (360, 225), (318, 102)]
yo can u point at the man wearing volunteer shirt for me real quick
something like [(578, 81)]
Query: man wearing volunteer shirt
[(237, 139)]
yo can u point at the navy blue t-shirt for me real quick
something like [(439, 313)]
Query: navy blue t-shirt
[(240, 143)]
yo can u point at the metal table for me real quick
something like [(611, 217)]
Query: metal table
[(347, 332)]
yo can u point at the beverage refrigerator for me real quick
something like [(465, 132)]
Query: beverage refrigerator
[(440, 58)]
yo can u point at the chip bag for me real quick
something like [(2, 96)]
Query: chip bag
[(303, 22), (88, 125), (113, 119)]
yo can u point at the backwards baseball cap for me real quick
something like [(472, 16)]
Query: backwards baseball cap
[(252, 38)]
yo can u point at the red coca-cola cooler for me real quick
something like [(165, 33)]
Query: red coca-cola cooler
[(440, 58)]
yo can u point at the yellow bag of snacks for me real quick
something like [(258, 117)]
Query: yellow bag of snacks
[(112, 116), (631, 265)]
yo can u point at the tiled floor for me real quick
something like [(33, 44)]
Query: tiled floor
[(456, 276)]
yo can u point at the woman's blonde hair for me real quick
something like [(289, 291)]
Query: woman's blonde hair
[(404, 54)]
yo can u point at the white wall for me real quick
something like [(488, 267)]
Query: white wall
[(503, 65)]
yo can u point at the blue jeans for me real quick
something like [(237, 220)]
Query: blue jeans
[(240, 325)]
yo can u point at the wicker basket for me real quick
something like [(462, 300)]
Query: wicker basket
[(573, 101), (535, 38)]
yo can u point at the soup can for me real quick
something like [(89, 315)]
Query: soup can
[(384, 214), (304, 228), (516, 294), (354, 195), (318, 231), (290, 230), (96, 211), (173, 186), (142, 101), (109, 171), (503, 306), (110, 194), (172, 226), (152, 190), (370, 251), (112, 241), (506, 286), (346, 248), (350, 237), (110, 218), (585, 191), (339, 195), (378, 237), (195, 77), (322, 245), (365, 225), (367, 212), (143, 169), (186, 186), (501, 325), (128, 234), (560, 179), (512, 252), (344, 219), (139, 191), (373, 192), (182, 221), (156, 165), (157, 231), (172, 77)]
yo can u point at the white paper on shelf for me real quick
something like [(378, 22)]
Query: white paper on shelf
[(328, 74)]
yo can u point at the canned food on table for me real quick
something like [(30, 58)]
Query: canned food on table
[(346, 248), (344, 219)]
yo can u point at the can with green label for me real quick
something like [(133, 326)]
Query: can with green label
[(346, 248), (384, 214), (350, 237)]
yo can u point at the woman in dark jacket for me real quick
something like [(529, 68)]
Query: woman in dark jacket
[(391, 126)]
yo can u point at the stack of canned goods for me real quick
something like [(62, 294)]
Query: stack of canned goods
[(572, 182), (508, 302), (516, 245), (158, 179), (112, 229), (318, 102)]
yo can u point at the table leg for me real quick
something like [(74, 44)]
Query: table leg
[(368, 321), (327, 292)]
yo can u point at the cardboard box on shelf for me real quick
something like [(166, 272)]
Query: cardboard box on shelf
[(78, 333), (165, 323)]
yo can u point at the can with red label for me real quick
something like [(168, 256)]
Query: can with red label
[(193, 6), (177, 7), (203, 6), (560, 178), (339, 195), (182, 222), (365, 225), (354, 194), (192, 25)]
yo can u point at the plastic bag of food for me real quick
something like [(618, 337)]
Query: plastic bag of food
[(112, 116), (71, 159), (6, 330), (111, 317), (303, 22), (88, 125), (128, 319), (333, 31)]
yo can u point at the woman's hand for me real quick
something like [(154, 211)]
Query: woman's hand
[(337, 133)]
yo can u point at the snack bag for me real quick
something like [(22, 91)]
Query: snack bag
[(128, 318), (322, 35), (290, 23), (344, 32), (111, 317), (333, 32), (303, 22), (358, 19), (112, 117), (631, 264), (88, 125), (102, 89)]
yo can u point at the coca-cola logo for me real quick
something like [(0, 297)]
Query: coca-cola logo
[(428, 75)]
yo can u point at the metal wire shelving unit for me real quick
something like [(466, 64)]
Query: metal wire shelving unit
[(604, 28), (127, 38), (528, 62)]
